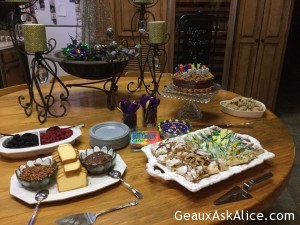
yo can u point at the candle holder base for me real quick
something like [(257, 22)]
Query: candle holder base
[(43, 102)]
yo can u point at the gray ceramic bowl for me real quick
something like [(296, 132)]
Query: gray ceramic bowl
[(36, 181), (96, 167)]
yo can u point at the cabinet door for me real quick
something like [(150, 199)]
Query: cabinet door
[(14, 74), (122, 12), (270, 55), (246, 41)]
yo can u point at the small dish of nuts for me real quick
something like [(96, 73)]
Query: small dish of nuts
[(37, 174), (243, 107)]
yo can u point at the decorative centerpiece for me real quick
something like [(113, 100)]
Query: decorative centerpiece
[(104, 62), (95, 61)]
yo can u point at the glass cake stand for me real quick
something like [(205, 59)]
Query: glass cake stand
[(190, 111)]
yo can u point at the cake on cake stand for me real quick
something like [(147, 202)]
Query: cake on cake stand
[(190, 110)]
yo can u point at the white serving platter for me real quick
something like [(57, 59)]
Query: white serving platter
[(240, 113), (95, 183), (16, 153), (205, 182)]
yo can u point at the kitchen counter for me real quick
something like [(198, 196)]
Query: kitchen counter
[(5, 45)]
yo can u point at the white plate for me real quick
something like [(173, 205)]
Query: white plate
[(109, 131), (94, 183), (113, 135), (239, 113), (16, 153), (205, 182)]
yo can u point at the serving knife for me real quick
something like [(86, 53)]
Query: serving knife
[(246, 124), (239, 194)]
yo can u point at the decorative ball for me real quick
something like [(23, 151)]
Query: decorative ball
[(114, 54), (110, 32)]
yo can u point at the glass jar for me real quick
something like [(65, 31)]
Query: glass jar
[(149, 117), (130, 119)]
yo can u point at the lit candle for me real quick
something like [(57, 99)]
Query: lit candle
[(143, 1), (157, 31), (34, 37)]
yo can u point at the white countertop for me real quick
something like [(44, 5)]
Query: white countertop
[(5, 45)]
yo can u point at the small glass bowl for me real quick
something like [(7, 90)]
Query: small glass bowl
[(96, 167), (37, 183)]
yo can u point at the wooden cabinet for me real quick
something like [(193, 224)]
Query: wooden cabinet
[(259, 43), (10, 68), (122, 12)]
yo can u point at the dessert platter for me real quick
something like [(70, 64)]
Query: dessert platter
[(243, 107), (192, 84), (42, 141), (199, 159), (73, 178)]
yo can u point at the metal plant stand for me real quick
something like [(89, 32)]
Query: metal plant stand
[(106, 72), (41, 67)]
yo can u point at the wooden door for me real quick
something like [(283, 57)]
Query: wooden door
[(271, 51), (260, 40), (245, 48), (122, 13)]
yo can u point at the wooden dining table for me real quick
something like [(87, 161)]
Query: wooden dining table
[(164, 202)]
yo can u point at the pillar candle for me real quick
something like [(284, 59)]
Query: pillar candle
[(34, 37), (143, 1), (157, 31)]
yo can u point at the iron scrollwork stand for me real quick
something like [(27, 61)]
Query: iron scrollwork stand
[(156, 59), (142, 12), (39, 63)]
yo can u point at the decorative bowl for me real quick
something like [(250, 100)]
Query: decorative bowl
[(92, 70), (173, 128), (37, 174), (98, 161)]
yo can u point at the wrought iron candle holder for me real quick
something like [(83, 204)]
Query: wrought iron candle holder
[(143, 15), (41, 67), (156, 59)]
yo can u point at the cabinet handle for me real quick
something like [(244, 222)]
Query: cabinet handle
[(262, 40), (256, 40)]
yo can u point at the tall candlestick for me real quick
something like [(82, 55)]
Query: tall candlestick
[(34, 37), (157, 32)]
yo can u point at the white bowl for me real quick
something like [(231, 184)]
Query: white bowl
[(240, 113)]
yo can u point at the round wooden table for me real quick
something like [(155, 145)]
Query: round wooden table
[(164, 201)]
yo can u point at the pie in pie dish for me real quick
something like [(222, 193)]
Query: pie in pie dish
[(207, 152)]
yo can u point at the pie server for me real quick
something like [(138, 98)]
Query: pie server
[(238, 194), (90, 218)]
